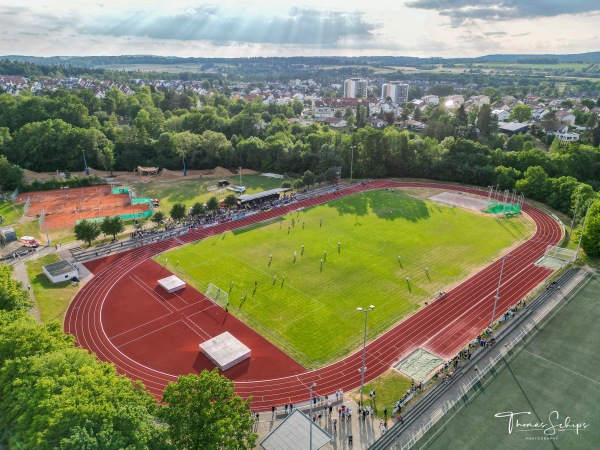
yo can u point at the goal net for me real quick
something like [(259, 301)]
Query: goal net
[(217, 295), (561, 253)]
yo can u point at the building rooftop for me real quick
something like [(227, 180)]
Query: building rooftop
[(59, 268), (294, 434), (259, 195), (513, 126)]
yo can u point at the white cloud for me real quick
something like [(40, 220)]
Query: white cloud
[(265, 28)]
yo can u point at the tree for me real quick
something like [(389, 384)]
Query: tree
[(177, 212), (590, 240), (202, 412), (212, 204), (461, 115), (230, 201), (484, 119), (297, 184), (521, 113), (506, 177), (87, 231), (535, 185), (53, 395), (197, 209), (596, 136), (112, 225), (550, 122), (10, 174), (158, 217), (12, 295), (308, 179)]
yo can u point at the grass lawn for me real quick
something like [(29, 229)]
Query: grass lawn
[(192, 191), (10, 212), (389, 388), (32, 228), (311, 314), (52, 299), (557, 370)]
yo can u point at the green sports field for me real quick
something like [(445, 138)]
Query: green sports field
[(554, 375), (309, 309)]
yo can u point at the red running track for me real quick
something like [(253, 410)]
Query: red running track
[(444, 327)]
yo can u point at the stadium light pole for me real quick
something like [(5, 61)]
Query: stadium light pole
[(575, 213), (184, 169), (87, 171), (504, 258), (362, 374), (48, 243), (240, 175), (583, 229), (352, 147), (310, 401)]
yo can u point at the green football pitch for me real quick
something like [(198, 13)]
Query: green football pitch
[(551, 378), (308, 308)]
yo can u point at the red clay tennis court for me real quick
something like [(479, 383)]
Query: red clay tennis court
[(64, 207)]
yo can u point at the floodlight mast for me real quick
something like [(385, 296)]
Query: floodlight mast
[(497, 296), (362, 375), (310, 401)]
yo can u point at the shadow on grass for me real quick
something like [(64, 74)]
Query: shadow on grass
[(257, 225), (43, 282), (388, 207)]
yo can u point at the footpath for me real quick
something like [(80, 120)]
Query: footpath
[(63, 252)]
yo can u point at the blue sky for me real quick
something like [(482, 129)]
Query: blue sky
[(232, 28)]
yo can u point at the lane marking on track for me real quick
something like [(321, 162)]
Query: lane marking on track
[(562, 367), (148, 334), (545, 232)]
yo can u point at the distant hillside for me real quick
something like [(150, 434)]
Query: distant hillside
[(590, 57), (129, 60)]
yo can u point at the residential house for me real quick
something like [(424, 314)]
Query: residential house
[(538, 112), (563, 134), (566, 116), (453, 101), (415, 125), (431, 99), (334, 122), (479, 100), (501, 115), (377, 123)]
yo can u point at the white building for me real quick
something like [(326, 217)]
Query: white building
[(60, 271), (563, 134), (501, 114), (396, 90), (431, 99), (566, 116), (356, 87)]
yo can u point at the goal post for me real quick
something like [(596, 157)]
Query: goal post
[(217, 295)]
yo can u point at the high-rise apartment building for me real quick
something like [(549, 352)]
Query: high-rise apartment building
[(356, 87), (396, 90)]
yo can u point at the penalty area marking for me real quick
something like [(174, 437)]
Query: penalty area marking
[(562, 367)]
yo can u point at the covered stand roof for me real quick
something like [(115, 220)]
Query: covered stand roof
[(294, 434), (251, 197)]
